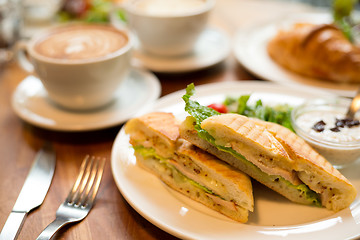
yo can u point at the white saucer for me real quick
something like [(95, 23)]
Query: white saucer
[(212, 47), (30, 103)]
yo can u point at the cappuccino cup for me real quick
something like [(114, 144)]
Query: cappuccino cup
[(167, 27), (80, 65)]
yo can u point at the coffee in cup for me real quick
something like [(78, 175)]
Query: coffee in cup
[(80, 43), (81, 65), (168, 27)]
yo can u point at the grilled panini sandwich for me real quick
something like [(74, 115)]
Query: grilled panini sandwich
[(272, 155), (188, 169)]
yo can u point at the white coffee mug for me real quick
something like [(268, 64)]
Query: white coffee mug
[(80, 65), (168, 27)]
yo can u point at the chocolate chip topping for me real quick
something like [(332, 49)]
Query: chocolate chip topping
[(319, 126), (339, 123)]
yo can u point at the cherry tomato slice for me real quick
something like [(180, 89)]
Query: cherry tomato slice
[(221, 108)]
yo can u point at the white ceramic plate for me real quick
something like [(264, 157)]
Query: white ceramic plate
[(212, 47), (274, 217), (250, 50), (30, 102)]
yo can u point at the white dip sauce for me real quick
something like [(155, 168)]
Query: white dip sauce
[(307, 120), (339, 148)]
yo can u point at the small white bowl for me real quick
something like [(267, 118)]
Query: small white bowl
[(340, 148)]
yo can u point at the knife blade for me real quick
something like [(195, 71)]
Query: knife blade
[(33, 192)]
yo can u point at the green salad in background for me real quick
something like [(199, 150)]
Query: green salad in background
[(280, 113), (95, 11), (343, 14)]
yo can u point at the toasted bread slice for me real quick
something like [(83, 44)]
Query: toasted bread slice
[(158, 130), (188, 169), (254, 142), (336, 192), (333, 190)]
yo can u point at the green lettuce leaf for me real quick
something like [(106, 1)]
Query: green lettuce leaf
[(280, 113), (199, 112), (194, 108)]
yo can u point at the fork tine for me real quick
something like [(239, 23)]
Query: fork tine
[(99, 173), (73, 193), (84, 181), (89, 184), (84, 190)]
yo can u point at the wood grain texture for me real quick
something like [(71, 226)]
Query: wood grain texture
[(112, 217)]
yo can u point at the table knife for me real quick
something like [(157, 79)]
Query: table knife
[(33, 192)]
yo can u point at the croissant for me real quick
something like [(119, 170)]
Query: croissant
[(318, 51)]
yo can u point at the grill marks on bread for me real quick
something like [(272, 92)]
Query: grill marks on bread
[(289, 153), (188, 132), (336, 192), (254, 142)]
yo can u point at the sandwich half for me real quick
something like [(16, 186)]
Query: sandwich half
[(270, 153), (188, 169)]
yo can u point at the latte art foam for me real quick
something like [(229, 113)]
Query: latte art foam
[(81, 42)]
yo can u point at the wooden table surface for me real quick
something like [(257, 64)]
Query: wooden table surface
[(112, 217)]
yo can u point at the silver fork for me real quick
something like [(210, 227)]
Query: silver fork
[(81, 197)]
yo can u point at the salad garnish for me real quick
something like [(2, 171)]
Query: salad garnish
[(344, 19), (278, 114)]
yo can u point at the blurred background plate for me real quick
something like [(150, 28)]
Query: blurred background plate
[(212, 47), (250, 50)]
